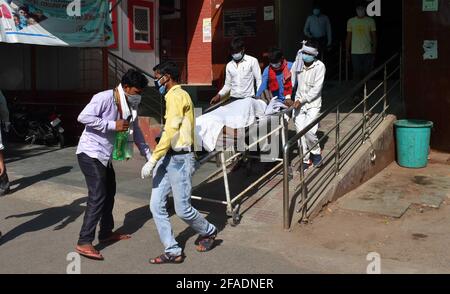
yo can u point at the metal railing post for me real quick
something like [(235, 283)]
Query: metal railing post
[(338, 141), (365, 114), (286, 164), (385, 92), (346, 66), (303, 185)]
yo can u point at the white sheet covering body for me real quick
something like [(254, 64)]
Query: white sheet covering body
[(237, 115)]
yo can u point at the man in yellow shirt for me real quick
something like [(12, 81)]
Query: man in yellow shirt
[(361, 43), (173, 165)]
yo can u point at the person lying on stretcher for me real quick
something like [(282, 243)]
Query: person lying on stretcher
[(228, 120)]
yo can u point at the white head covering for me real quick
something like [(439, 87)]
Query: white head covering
[(305, 49), (299, 63)]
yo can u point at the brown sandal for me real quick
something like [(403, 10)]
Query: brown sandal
[(167, 259), (90, 252)]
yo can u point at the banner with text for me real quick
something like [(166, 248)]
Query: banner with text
[(79, 23)]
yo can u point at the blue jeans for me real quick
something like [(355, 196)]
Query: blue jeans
[(174, 174)]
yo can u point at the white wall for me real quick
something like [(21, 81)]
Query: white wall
[(143, 59)]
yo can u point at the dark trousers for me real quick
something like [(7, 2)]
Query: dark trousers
[(362, 65), (101, 183)]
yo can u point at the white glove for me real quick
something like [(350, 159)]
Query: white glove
[(147, 170)]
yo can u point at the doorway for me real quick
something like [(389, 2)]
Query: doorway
[(173, 34)]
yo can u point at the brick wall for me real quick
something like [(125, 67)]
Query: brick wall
[(199, 53), (266, 34)]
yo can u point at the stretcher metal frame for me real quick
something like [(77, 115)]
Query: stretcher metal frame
[(232, 202)]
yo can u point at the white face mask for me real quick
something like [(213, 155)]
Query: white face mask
[(134, 100), (276, 65), (238, 56)]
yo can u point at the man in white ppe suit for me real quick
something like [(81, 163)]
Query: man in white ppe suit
[(308, 75)]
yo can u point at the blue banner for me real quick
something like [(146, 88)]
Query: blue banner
[(75, 23)]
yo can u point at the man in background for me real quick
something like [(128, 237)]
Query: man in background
[(318, 29), (361, 43)]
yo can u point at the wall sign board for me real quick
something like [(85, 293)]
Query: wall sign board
[(239, 22)]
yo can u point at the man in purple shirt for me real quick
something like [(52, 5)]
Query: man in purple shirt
[(103, 118)]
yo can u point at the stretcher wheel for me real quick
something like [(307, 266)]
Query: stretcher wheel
[(235, 217), (234, 221)]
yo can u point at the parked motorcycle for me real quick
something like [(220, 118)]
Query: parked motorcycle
[(41, 127)]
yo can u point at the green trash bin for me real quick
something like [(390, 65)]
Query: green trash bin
[(413, 142)]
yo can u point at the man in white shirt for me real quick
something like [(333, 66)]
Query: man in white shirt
[(309, 76), (243, 74), (318, 28)]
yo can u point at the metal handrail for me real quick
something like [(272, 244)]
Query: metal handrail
[(342, 100), (132, 65), (337, 106)]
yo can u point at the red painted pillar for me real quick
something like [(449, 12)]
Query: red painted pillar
[(199, 52)]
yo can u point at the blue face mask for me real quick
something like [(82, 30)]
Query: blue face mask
[(316, 12), (308, 58), (162, 88)]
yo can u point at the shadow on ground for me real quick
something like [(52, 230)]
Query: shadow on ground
[(60, 217), (26, 182)]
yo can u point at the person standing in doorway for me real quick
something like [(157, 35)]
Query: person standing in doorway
[(318, 29), (172, 166), (107, 114), (243, 74), (361, 43)]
